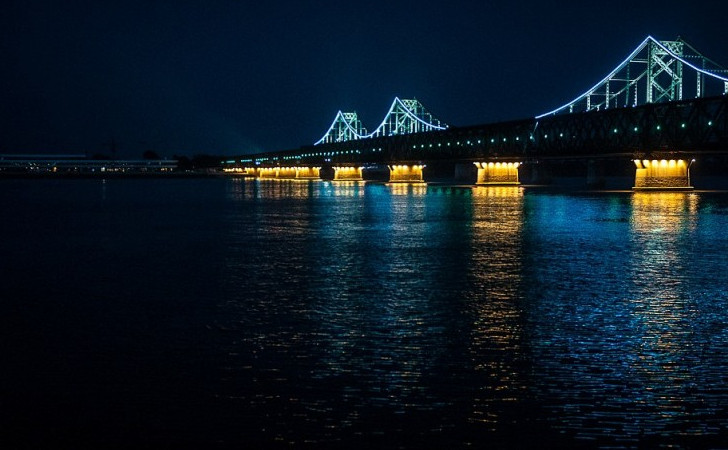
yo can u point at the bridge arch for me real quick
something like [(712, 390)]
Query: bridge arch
[(405, 116), (655, 72)]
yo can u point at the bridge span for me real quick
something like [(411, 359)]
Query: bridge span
[(658, 134)]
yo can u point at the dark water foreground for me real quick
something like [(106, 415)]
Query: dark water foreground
[(217, 313)]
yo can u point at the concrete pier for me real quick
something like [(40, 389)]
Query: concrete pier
[(308, 173), (348, 174), (662, 174), (498, 173), (403, 173)]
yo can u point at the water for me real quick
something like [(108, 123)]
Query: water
[(221, 313)]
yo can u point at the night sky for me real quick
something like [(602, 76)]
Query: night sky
[(232, 77)]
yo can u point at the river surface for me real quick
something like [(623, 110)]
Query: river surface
[(222, 313)]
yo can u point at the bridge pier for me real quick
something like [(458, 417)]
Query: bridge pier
[(662, 175), (308, 173), (268, 172), (497, 173), (595, 178), (348, 174), (402, 173), (286, 173), (241, 171)]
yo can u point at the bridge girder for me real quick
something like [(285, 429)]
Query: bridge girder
[(606, 121), (696, 126)]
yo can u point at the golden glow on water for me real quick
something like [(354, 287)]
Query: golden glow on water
[(497, 172), (499, 192), (409, 188), (661, 174), (662, 223), (581, 314), (663, 212), (495, 271), (402, 173), (344, 188), (272, 188)]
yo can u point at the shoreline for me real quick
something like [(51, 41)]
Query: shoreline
[(106, 175)]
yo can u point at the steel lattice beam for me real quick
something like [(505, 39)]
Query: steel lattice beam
[(656, 71)]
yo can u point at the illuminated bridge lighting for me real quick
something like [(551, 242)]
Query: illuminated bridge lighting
[(656, 71), (404, 117)]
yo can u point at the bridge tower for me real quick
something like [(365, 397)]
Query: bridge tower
[(345, 127), (655, 72), (665, 72), (406, 116)]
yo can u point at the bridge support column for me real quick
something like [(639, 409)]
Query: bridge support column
[(286, 173), (250, 171), (308, 173), (268, 172), (662, 175), (348, 174), (595, 174), (497, 173), (406, 174)]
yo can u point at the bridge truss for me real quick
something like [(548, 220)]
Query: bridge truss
[(405, 116), (665, 98), (655, 72), (345, 127)]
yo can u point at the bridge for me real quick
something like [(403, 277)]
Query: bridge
[(663, 106)]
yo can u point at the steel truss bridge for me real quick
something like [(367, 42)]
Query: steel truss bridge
[(665, 98)]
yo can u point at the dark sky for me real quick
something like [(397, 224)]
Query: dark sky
[(232, 77)]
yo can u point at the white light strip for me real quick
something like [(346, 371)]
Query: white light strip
[(680, 58), (330, 128), (348, 125), (408, 112), (395, 102), (623, 64), (619, 67)]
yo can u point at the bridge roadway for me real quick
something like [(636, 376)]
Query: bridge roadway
[(671, 134)]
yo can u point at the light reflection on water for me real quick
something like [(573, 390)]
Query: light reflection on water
[(374, 309), (664, 310), (495, 278), (621, 353), (242, 313)]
